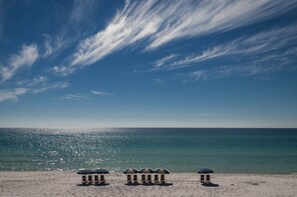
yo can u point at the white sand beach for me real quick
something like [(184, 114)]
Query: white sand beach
[(53, 183)]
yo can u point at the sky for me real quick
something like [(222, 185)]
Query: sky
[(180, 63)]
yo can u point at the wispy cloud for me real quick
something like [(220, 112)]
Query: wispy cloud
[(190, 19), (33, 86), (48, 48), (12, 94), (51, 86), (126, 28), (76, 97), (261, 53), (25, 58), (40, 79), (83, 97), (165, 60), (32, 82), (249, 47), (100, 93), (235, 71), (53, 45), (159, 22)]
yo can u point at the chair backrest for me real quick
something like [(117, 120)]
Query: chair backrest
[(202, 177), (162, 178), (135, 177), (102, 178), (96, 178), (84, 178), (90, 178)]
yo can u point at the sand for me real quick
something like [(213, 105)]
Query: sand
[(54, 183)]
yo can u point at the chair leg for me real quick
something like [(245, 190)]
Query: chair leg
[(143, 179), (129, 179), (135, 179), (84, 179), (102, 179), (90, 178), (156, 179), (162, 178)]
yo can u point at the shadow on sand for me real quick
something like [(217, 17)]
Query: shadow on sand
[(149, 184), (210, 185), (165, 184), (159, 184), (102, 184), (84, 184)]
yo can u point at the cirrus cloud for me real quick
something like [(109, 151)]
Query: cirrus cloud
[(25, 58), (12, 94), (156, 23)]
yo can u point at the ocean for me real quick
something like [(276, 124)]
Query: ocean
[(224, 150)]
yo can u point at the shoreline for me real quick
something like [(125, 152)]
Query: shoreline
[(172, 172), (66, 183)]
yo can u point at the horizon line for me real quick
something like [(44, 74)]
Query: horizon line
[(147, 127)]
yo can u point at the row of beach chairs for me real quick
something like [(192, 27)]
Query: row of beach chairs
[(96, 176), (90, 179), (146, 179), (100, 179), (133, 179)]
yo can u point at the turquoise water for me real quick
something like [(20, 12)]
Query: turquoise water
[(180, 150)]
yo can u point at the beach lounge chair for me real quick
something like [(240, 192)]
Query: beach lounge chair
[(129, 179), (90, 178), (149, 178), (83, 179), (202, 178), (143, 179), (162, 178), (135, 179), (207, 180), (96, 179), (156, 179), (102, 179)]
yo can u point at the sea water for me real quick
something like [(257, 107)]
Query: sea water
[(180, 150)]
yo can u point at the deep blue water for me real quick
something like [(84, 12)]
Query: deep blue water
[(180, 150)]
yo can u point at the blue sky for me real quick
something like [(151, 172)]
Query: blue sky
[(185, 63)]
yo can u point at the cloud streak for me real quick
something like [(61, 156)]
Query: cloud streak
[(100, 93), (261, 53), (12, 94), (25, 58), (83, 97), (34, 86), (233, 71), (55, 85), (250, 47), (191, 19), (53, 45), (75, 97), (159, 22)]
